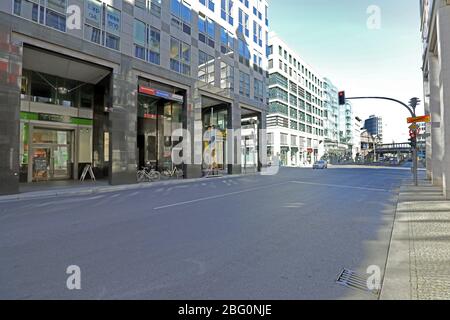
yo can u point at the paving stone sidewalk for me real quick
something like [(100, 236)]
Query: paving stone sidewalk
[(418, 265)]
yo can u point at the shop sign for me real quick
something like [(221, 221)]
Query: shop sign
[(53, 118), (160, 94)]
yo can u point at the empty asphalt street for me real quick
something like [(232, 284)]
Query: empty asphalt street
[(286, 236)]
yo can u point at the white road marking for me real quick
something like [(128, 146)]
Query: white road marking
[(223, 195), (341, 186)]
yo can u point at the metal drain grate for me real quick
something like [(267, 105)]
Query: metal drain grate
[(351, 279)]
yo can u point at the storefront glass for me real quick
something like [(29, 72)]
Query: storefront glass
[(157, 120), (215, 124), (51, 154)]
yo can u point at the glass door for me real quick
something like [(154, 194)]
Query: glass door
[(60, 157), (41, 164)]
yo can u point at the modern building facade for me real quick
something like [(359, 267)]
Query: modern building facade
[(295, 122), (338, 125), (374, 126), (116, 84), (436, 73)]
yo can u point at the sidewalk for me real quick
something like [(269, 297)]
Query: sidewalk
[(418, 265), (89, 188)]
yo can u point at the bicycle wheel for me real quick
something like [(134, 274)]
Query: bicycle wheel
[(155, 176), (140, 176)]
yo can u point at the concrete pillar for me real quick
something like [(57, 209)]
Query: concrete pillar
[(435, 109), (443, 27), (123, 126), (234, 141), (10, 81), (194, 125)]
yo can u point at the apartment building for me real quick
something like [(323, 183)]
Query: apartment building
[(436, 66), (116, 84), (295, 123)]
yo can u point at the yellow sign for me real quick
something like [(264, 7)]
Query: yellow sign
[(423, 119)]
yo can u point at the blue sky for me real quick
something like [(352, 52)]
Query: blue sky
[(332, 36)]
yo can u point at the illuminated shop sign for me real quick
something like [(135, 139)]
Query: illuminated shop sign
[(160, 94)]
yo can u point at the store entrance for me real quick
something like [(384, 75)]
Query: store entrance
[(157, 120), (51, 155), (215, 124)]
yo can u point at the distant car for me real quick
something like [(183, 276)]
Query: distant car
[(320, 165)]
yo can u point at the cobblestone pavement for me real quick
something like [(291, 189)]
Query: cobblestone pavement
[(418, 265)]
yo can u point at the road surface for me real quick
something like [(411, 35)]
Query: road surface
[(254, 237)]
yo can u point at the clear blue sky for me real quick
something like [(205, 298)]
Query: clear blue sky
[(332, 36)]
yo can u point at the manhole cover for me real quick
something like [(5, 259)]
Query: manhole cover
[(351, 279)]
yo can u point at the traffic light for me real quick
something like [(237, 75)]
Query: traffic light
[(341, 98), (413, 139)]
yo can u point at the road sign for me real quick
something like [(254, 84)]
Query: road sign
[(413, 127), (421, 119)]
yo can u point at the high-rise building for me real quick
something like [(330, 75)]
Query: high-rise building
[(108, 83), (374, 127), (436, 63), (295, 121)]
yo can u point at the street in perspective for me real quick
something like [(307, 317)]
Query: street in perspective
[(202, 150)]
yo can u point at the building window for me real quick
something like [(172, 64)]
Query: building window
[(112, 41), (210, 3), (244, 53), (180, 56), (278, 107), (227, 42), (28, 9), (154, 45), (277, 93), (92, 34), (259, 90), (206, 67), (181, 15), (257, 34), (207, 30), (243, 23), (244, 84), (55, 20), (226, 76), (226, 11)]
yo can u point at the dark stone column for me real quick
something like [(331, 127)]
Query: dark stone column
[(123, 126), (10, 82)]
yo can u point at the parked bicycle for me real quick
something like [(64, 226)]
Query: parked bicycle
[(173, 173), (148, 174)]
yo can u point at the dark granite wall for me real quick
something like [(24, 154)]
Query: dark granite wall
[(10, 80)]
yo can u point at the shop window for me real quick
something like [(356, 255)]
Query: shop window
[(45, 88)]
